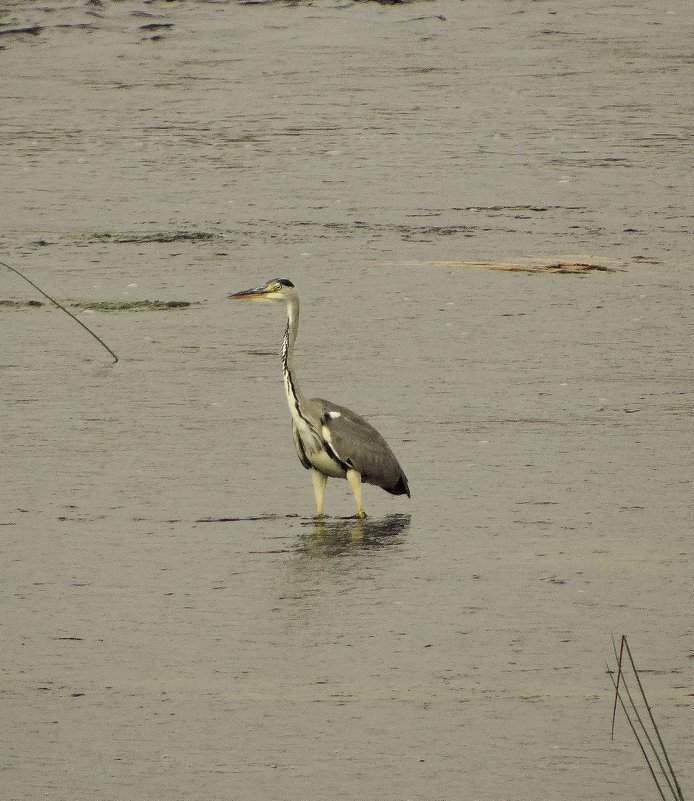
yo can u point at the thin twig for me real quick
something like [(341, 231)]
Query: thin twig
[(60, 306)]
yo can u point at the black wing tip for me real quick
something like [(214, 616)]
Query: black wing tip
[(402, 487)]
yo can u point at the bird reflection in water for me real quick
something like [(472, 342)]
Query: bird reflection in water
[(334, 536), (335, 556)]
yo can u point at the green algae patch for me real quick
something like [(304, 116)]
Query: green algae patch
[(133, 237), (105, 305)]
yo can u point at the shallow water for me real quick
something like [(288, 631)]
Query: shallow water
[(175, 623)]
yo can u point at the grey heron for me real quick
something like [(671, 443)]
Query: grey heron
[(331, 441)]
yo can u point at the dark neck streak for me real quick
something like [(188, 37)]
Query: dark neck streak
[(292, 395)]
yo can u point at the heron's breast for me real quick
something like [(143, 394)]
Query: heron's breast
[(324, 463)]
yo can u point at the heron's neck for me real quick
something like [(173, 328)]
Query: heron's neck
[(295, 396)]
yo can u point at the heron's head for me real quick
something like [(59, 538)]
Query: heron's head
[(278, 290)]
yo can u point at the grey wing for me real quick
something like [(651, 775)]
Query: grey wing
[(300, 452), (357, 443)]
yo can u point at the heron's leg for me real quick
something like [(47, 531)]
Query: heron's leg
[(319, 482), (354, 479)]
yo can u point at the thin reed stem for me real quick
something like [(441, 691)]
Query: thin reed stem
[(668, 772), (678, 794), (60, 306), (638, 739), (619, 676)]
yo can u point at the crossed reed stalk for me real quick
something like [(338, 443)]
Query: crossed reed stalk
[(646, 732)]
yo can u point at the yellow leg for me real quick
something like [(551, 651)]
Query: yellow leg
[(354, 479), (319, 482)]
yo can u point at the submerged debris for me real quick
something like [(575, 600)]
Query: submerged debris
[(569, 267)]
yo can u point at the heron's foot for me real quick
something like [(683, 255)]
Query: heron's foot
[(361, 514)]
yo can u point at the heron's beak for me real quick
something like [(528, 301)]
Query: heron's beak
[(249, 294)]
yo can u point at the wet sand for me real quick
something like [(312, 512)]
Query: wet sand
[(452, 646)]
